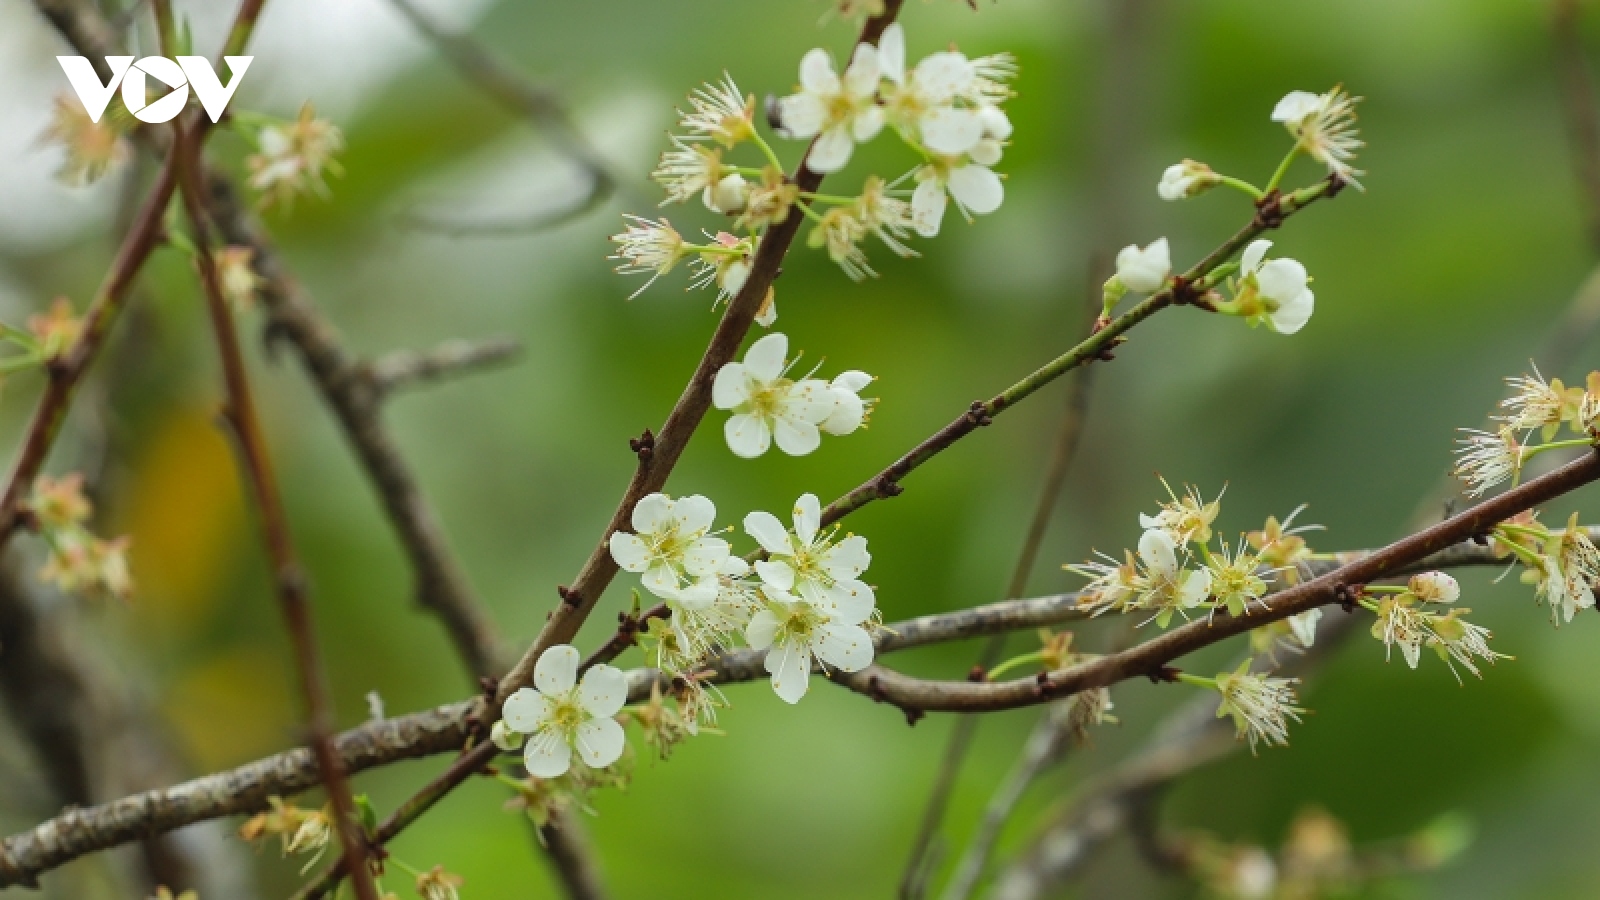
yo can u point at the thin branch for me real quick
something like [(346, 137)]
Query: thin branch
[(288, 576), (408, 368), (444, 729), (538, 103)]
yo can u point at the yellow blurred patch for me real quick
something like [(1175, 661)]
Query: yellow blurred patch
[(184, 513), (232, 708)]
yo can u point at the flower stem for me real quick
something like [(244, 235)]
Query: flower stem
[(1240, 184), (1530, 452), (1283, 168), (827, 198), (766, 148), (1197, 680)]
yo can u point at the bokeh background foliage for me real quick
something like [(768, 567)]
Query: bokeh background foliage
[(1433, 284)]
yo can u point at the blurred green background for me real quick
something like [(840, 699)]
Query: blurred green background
[(1440, 279)]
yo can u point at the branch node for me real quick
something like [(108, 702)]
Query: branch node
[(887, 486), (977, 674), (643, 446), (979, 414), (1269, 210), (1347, 595), (1164, 674), (569, 596), (913, 715), (1335, 185)]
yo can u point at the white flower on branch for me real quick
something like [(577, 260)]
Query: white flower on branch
[(850, 411), (1324, 125), (1261, 706), (1186, 518), (673, 548), (885, 215), (719, 112), (768, 405), (1434, 587), (838, 112), (645, 246), (561, 714), (1303, 626), (793, 630), (1145, 270), (1485, 459), (1534, 404), (841, 232), (810, 561), (1273, 291), (1566, 573), (293, 158), (1181, 181), (1401, 624), (977, 190), (1168, 587), (922, 102), (687, 170)]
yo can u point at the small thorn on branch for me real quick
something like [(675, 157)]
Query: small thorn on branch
[(977, 674), (913, 715), (569, 596), (643, 446)]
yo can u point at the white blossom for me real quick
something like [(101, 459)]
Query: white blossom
[(719, 112), (1303, 626), (976, 189), (561, 714), (810, 561), (1325, 127), (768, 405), (1485, 459), (1434, 587), (1277, 286), (793, 630), (645, 246), (1144, 271), (837, 111), (1533, 404), (1567, 569), (922, 102), (672, 549), (1181, 181), (849, 410), (1168, 587), (1261, 707)]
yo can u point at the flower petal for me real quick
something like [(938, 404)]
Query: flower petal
[(1293, 315), (845, 647), (763, 626), (802, 115), (831, 151), (848, 558), (557, 670), (748, 436), (807, 518), (706, 556), (862, 76), (1250, 259), (603, 691), (977, 189), (765, 358), (629, 552), (651, 513), (850, 602), (848, 411), (1281, 279), (790, 665), (950, 131), (811, 400), (927, 207), (816, 73), (693, 514), (853, 381), (778, 574), (547, 755), (941, 76), (892, 53), (600, 742), (526, 710), (866, 124), (731, 387), (796, 437), (1159, 552), (660, 579), (768, 532)]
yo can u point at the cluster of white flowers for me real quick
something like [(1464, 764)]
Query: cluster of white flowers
[(1404, 621), (803, 600), (294, 158), (1562, 565), (1176, 570), (1276, 292), (768, 405), (946, 107), (1535, 407)]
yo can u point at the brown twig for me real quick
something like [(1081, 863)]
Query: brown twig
[(402, 369), (1578, 103), (288, 577)]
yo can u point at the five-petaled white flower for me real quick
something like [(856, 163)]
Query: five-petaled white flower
[(1187, 179), (766, 404), (1484, 459), (673, 549), (837, 111), (1325, 127), (809, 561), (977, 190), (1144, 271), (646, 246), (793, 630), (1274, 290), (921, 103), (561, 714)]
